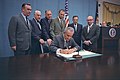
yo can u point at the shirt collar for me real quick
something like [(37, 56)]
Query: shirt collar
[(60, 19), (75, 24), (23, 16), (90, 25), (36, 20)]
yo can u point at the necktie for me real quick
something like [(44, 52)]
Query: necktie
[(65, 44), (75, 26), (49, 21), (61, 22), (38, 22), (26, 20)]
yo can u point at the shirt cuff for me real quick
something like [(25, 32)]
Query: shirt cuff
[(58, 50)]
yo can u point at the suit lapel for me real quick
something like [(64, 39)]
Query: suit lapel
[(36, 24), (47, 24), (28, 26), (72, 25), (59, 24), (86, 29), (62, 41)]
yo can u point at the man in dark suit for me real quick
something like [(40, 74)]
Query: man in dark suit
[(78, 30), (39, 34), (19, 31), (58, 24), (45, 23), (90, 34), (64, 43)]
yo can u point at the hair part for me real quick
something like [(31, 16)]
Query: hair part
[(75, 16), (23, 5), (47, 11), (69, 29), (61, 10)]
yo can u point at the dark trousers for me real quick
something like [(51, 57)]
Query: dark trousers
[(22, 52), (90, 47)]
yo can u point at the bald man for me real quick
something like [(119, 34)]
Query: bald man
[(38, 33), (90, 34)]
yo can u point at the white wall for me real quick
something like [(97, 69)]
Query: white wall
[(100, 8)]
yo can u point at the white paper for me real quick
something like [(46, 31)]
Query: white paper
[(84, 52), (67, 55)]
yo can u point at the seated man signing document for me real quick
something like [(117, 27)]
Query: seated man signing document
[(64, 43)]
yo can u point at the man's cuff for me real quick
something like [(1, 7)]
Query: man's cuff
[(58, 50)]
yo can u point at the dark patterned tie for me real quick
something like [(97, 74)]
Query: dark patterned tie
[(75, 26), (26, 20)]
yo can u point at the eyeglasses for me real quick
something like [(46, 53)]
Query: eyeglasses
[(89, 19)]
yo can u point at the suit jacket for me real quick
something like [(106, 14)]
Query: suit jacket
[(93, 35), (58, 42), (19, 33), (77, 34), (46, 25), (37, 34), (56, 28)]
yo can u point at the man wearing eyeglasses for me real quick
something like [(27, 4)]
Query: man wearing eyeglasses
[(90, 34)]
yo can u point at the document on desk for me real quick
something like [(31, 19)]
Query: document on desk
[(83, 53), (87, 54), (67, 55)]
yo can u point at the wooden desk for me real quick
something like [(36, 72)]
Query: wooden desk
[(49, 67)]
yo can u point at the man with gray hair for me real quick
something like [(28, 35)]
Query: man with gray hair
[(64, 43), (38, 34)]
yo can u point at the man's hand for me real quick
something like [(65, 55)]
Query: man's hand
[(49, 41), (87, 42), (64, 51), (13, 48), (68, 51), (41, 41), (72, 50)]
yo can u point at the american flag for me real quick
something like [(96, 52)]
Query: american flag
[(66, 13)]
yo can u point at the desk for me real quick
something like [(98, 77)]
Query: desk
[(49, 67)]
